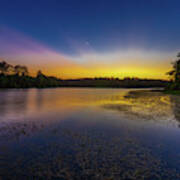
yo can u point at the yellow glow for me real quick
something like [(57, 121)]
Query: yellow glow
[(115, 70), (129, 62), (139, 64)]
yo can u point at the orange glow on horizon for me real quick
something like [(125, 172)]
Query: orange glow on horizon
[(130, 62), (75, 71)]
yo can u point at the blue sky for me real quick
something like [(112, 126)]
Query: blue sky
[(77, 28)]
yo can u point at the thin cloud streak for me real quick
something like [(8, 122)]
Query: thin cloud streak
[(17, 48)]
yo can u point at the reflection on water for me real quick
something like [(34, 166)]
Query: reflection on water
[(10, 101), (147, 105), (71, 133), (176, 107)]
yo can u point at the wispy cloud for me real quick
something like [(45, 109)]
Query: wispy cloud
[(19, 48)]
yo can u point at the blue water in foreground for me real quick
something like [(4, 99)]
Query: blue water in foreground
[(71, 133)]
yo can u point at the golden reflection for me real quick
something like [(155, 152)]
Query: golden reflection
[(31, 110), (147, 105), (176, 107), (62, 102)]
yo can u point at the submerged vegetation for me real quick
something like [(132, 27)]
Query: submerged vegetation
[(18, 77)]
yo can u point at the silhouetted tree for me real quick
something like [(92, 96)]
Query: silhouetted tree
[(175, 73), (17, 77), (40, 74), (21, 70), (6, 68), (2, 67)]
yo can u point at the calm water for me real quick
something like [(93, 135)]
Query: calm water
[(71, 133)]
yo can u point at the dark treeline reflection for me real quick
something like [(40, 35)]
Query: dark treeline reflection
[(176, 107), (19, 102), (13, 101)]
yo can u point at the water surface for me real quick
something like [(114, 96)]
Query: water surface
[(71, 133)]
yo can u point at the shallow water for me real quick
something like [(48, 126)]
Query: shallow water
[(71, 133)]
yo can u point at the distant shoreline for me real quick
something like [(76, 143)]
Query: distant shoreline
[(42, 81), (18, 77), (172, 92), (150, 89)]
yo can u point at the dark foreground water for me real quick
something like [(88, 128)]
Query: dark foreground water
[(103, 134)]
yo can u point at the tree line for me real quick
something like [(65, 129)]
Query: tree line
[(175, 75), (18, 77)]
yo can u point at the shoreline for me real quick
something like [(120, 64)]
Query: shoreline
[(172, 92)]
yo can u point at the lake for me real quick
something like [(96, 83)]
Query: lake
[(89, 133)]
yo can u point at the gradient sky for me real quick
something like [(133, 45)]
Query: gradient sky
[(88, 38)]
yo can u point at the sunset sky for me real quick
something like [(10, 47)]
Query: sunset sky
[(91, 38)]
